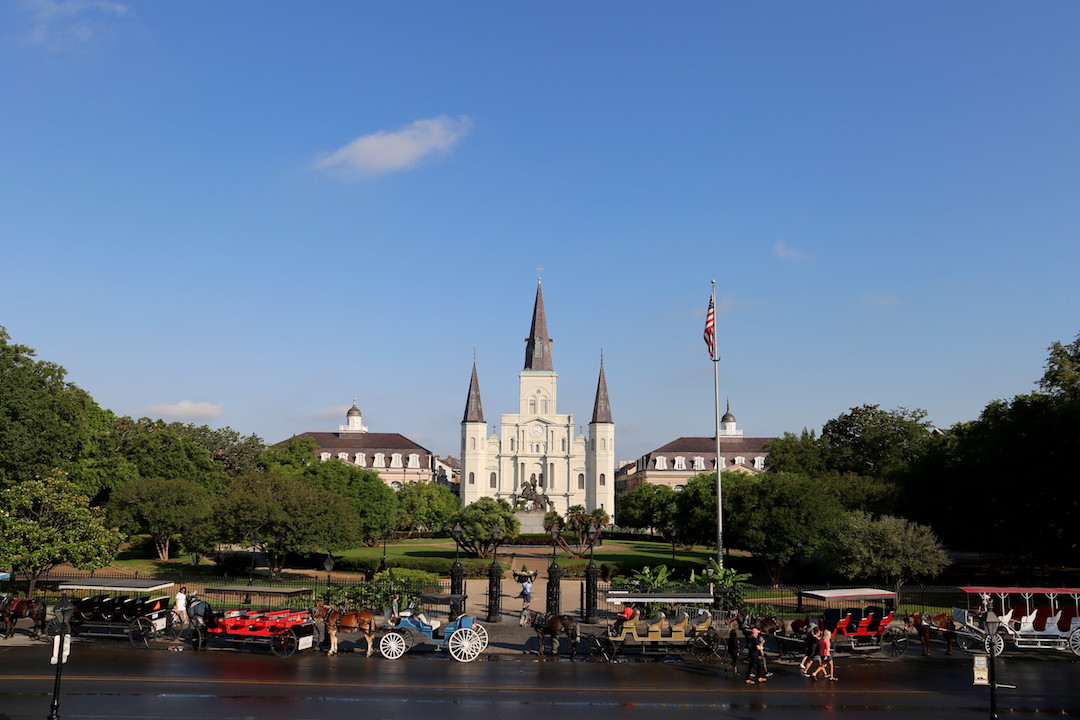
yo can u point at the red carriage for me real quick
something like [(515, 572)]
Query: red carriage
[(283, 631), (863, 616)]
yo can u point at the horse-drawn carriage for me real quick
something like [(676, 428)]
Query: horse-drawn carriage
[(119, 609), (460, 634), (282, 631), (862, 616), (687, 627), (1047, 624)]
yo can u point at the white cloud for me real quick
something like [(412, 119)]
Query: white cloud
[(875, 299), (62, 24), (186, 410), (781, 250), (336, 412), (383, 152)]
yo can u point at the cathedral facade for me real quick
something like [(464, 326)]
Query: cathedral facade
[(537, 460)]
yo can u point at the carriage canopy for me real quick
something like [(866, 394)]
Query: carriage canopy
[(125, 586)]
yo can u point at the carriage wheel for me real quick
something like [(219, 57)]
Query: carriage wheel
[(174, 626), (393, 645), (198, 638), (283, 643), (141, 632), (52, 628), (965, 642), (894, 642), (995, 644), (483, 633), (608, 649), (706, 647), (1074, 641), (464, 645)]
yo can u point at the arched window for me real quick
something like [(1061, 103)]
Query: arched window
[(603, 480), (581, 481), (361, 459), (343, 456), (472, 479), (494, 482), (680, 462), (473, 443), (603, 444), (532, 406), (564, 444), (324, 456), (380, 460), (414, 460), (395, 460), (661, 463)]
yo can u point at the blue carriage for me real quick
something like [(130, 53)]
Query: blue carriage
[(461, 635)]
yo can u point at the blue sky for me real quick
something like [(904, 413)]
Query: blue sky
[(245, 213)]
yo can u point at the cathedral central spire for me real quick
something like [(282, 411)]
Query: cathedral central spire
[(538, 345)]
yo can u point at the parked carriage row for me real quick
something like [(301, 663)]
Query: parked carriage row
[(689, 627)]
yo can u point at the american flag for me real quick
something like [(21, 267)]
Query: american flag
[(710, 326)]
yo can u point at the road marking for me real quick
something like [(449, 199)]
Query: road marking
[(772, 689)]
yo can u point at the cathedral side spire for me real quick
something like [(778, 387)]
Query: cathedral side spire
[(602, 407), (474, 411), (538, 345)]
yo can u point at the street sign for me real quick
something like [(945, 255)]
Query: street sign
[(56, 652), (981, 670)]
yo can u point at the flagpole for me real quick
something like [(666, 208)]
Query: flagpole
[(715, 357)]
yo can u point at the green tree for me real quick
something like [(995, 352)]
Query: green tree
[(423, 505), (889, 548), (160, 449), (288, 515), (777, 516), (374, 504), (291, 457), (48, 522), (693, 521), (872, 442), (647, 507), (477, 520), (803, 454), (45, 421), (162, 508), (1061, 378)]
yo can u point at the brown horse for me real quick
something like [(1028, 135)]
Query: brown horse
[(12, 609), (553, 625), (939, 624), (337, 620)]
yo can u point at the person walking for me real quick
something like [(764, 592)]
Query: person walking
[(755, 672), (733, 652), (526, 592), (813, 639), (180, 605), (824, 657)]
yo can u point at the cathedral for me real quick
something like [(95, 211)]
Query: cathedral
[(536, 461)]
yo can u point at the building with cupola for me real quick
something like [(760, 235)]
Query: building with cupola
[(396, 458), (675, 463), (537, 459)]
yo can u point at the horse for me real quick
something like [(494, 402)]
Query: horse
[(548, 624), (337, 620), (924, 625), (12, 609)]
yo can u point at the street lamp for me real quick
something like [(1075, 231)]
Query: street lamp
[(62, 612), (555, 533), (385, 532), (593, 532), (496, 535), (457, 533), (328, 564), (993, 623)]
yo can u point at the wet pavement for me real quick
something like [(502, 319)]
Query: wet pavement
[(113, 680)]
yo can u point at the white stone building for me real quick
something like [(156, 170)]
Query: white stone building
[(536, 457)]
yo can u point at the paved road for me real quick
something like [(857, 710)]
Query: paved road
[(114, 681)]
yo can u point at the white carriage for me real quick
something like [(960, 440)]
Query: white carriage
[(1030, 617)]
